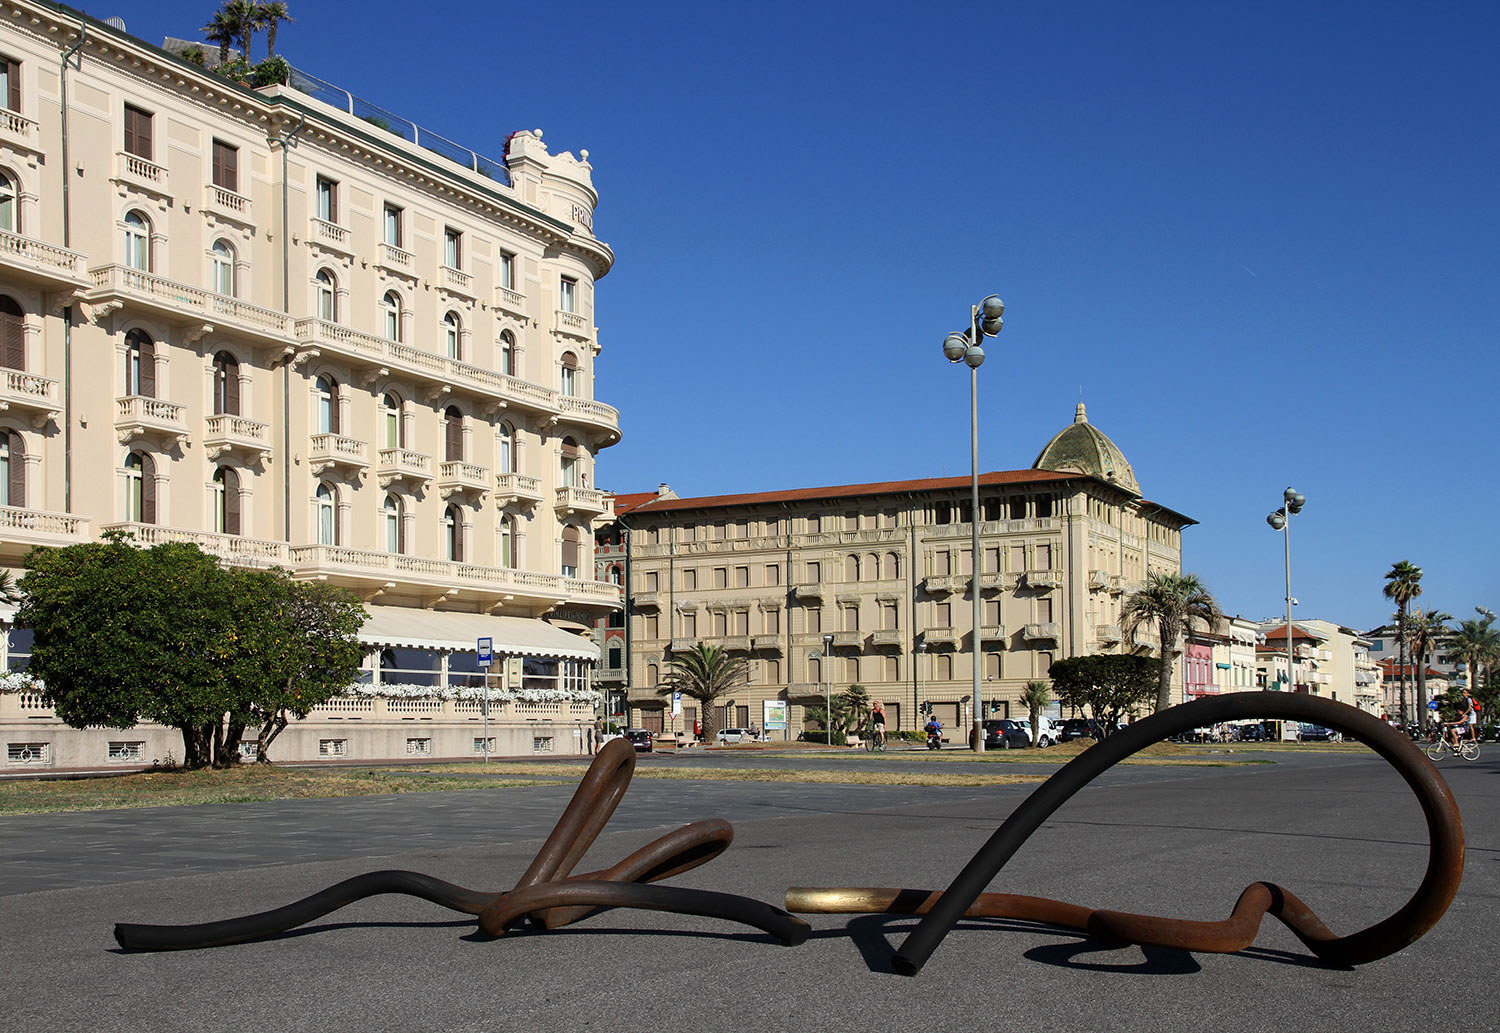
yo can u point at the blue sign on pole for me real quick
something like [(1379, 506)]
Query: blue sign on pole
[(486, 652), (1433, 704)]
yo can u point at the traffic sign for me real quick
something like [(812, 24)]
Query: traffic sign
[(486, 652), (1433, 704)]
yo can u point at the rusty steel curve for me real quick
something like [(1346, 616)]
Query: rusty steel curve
[(966, 896), (546, 892)]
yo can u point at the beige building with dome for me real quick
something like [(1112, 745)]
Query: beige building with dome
[(869, 584)]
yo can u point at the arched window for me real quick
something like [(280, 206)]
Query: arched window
[(12, 334), (326, 510), (139, 503), (327, 290), (571, 550), (328, 404), (390, 309), (140, 364), (451, 328), (223, 263), (453, 533), (892, 566), (453, 435), (616, 575), (226, 500), (570, 374), (507, 353), (10, 209), (390, 418), (508, 541), (12, 469), (137, 241), (507, 449), (570, 463), (226, 384), (851, 568), (395, 532)]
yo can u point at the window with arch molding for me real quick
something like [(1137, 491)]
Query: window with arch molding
[(223, 268), (569, 381), (395, 531), (326, 288), (572, 549), (451, 335), (140, 364), (226, 501), (327, 390), (12, 334), (326, 514), (393, 427), (508, 541), (507, 437), (10, 204), (226, 385), (12, 469), (138, 506), (453, 533), (507, 353), (572, 467), (390, 309), (453, 434), (137, 241)]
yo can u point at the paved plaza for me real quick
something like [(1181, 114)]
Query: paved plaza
[(1341, 831)]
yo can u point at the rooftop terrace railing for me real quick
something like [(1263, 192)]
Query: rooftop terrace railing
[(380, 118)]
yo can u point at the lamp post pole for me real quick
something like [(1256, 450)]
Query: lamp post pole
[(1281, 520), (984, 321), (917, 721)]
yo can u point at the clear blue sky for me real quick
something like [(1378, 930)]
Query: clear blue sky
[(1262, 239)]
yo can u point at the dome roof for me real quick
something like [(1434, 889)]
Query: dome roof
[(1082, 448)]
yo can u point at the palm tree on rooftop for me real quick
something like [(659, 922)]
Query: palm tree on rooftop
[(223, 30), (1403, 583), (247, 13), (1426, 629), (705, 673), (273, 14), (1171, 602)]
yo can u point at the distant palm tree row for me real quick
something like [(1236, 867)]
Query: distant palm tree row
[(1475, 642)]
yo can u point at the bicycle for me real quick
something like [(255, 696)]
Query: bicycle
[(875, 742), (1468, 749)]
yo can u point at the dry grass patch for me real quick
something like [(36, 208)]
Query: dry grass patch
[(855, 777), (253, 782)]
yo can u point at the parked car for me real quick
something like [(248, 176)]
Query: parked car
[(640, 739), (1314, 733), (1004, 734), (731, 736), (1076, 728)]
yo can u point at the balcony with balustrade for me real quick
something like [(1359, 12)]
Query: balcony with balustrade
[(226, 434), (397, 260), (131, 170), (571, 324), (991, 632), (19, 131), (42, 264), (766, 643), (457, 478), (1043, 579), (456, 280), (185, 304), (603, 419), (809, 590), (26, 393), (511, 302), (646, 600), (848, 639), (336, 452), (583, 502), (1045, 631), (944, 584), (235, 550), (370, 573), (22, 529), (403, 466), (153, 419), (518, 487), (737, 643), (227, 204), (1109, 634), (885, 637), (330, 235), (941, 637)]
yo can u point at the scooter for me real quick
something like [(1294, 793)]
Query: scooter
[(934, 741)]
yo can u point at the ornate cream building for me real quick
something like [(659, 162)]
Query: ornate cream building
[(874, 578), (299, 330)]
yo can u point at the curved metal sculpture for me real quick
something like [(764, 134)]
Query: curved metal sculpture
[(547, 892), (965, 897)]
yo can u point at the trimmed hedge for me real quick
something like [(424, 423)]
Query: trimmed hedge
[(818, 735)]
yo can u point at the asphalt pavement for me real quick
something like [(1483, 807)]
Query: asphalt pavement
[(1340, 830)]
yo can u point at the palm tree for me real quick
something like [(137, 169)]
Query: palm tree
[(705, 673), (271, 15), (1172, 602), (1036, 697), (1425, 629), (856, 706), (1476, 643), (247, 14), (223, 30), (1403, 583)]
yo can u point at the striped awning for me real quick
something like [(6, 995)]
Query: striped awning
[(411, 628)]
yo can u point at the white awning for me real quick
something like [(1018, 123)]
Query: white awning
[(411, 628)]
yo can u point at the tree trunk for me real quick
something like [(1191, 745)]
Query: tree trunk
[(195, 745), (1168, 635), (708, 718), (268, 733), (1421, 688), (229, 754), (1401, 659)]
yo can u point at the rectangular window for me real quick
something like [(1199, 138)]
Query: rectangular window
[(652, 581), (649, 626), (328, 200), (720, 623), (482, 745), (10, 84), (568, 296), (453, 248), (392, 225), (541, 744), (614, 658), (1017, 561), (944, 615), (333, 747), (773, 574), (1044, 611), (721, 577), (814, 620), (126, 751), (28, 753), (1044, 557), (689, 625), (689, 579), (138, 132), (418, 747), (888, 616), (741, 577), (742, 622), (507, 270), (226, 167), (771, 622), (1043, 510), (814, 573)]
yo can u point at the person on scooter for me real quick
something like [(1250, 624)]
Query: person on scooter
[(934, 730)]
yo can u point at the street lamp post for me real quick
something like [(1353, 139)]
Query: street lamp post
[(1281, 520), (827, 690), (967, 347), (916, 681)]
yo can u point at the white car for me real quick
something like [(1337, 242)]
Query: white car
[(732, 736), (1048, 730)]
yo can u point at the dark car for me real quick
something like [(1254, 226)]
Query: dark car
[(640, 739), (1314, 733), (1005, 734), (1077, 728)]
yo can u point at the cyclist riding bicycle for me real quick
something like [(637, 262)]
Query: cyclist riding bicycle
[(877, 721), (1468, 720)]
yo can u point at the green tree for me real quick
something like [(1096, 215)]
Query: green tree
[(834, 727), (1036, 697), (705, 673), (124, 635), (224, 31), (1403, 583), (856, 710), (272, 15), (247, 15), (1108, 685), (1425, 629), (1171, 602), (1476, 644)]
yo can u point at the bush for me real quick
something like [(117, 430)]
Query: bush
[(818, 735), (917, 736), (271, 71)]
